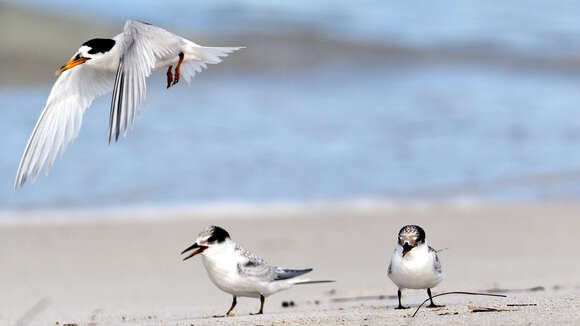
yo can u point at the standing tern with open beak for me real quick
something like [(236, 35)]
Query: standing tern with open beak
[(239, 272)]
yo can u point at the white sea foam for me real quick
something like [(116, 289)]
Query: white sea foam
[(241, 210)]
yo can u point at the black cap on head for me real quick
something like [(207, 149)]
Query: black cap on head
[(99, 45), (217, 234)]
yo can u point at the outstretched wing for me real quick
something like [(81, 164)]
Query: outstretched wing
[(60, 120), (145, 47), (142, 46)]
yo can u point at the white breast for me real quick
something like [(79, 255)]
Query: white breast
[(416, 270)]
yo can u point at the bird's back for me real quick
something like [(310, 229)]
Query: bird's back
[(240, 272)]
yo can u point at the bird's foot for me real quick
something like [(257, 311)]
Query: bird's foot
[(229, 314), (170, 77), (401, 307), (178, 69), (257, 313), (435, 306)]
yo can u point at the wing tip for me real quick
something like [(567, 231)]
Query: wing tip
[(22, 177), (16, 185)]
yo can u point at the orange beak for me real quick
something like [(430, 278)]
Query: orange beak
[(71, 63)]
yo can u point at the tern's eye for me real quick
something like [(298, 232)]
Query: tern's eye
[(213, 238)]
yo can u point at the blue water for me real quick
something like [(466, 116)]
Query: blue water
[(542, 26), (387, 133), (334, 131)]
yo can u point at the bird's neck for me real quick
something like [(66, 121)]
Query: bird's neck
[(219, 252)]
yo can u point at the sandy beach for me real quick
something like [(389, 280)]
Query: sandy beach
[(126, 268)]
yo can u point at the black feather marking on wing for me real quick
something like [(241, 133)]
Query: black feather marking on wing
[(120, 106), (284, 274), (242, 267), (251, 263), (437, 263), (114, 101)]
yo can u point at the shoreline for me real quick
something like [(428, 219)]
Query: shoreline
[(254, 210)]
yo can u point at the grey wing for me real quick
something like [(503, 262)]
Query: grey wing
[(436, 262), (60, 120), (254, 266), (284, 273), (141, 47)]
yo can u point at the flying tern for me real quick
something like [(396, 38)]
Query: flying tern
[(121, 64)]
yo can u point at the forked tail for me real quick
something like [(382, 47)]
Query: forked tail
[(204, 55)]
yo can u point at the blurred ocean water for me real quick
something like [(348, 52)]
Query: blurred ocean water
[(542, 26), (432, 129)]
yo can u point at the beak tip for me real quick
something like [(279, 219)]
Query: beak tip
[(71, 63), (199, 249)]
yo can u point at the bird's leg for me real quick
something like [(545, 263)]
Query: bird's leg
[(400, 306), (261, 312), (178, 68), (169, 77), (432, 305), (229, 313)]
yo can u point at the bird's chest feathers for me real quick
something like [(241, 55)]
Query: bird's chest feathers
[(417, 260), (221, 265)]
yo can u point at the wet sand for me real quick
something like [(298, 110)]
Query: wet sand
[(126, 268)]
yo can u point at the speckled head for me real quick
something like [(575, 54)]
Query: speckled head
[(411, 236)]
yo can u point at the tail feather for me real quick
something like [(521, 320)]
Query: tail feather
[(213, 55), (291, 274), (205, 55), (314, 282)]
